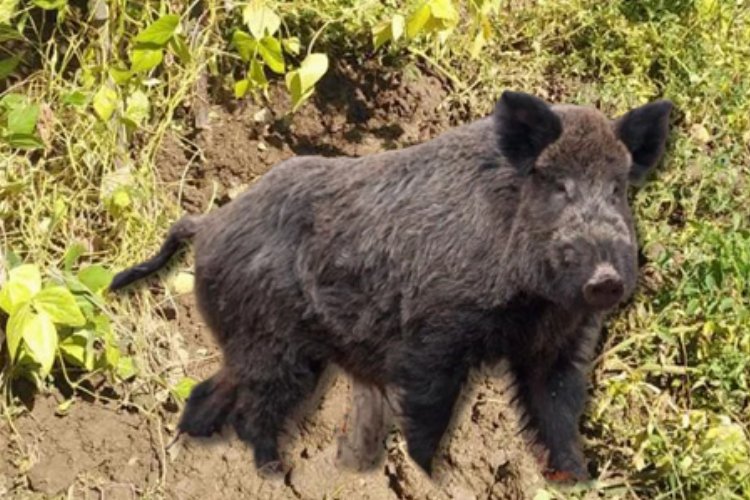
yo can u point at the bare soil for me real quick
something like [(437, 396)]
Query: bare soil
[(100, 450)]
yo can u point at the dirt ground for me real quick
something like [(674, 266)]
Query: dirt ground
[(98, 451)]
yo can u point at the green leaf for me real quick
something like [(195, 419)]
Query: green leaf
[(257, 76), (22, 119), (76, 98), (180, 47), (95, 277), (261, 20), (145, 58), (125, 367), (15, 328), (182, 389), (60, 305), (10, 101), (245, 45), (23, 283), (241, 87), (160, 31), (418, 20), (7, 66), (291, 45), (120, 75), (40, 337), (105, 102), (78, 348), (312, 69), (270, 51), (50, 4), (25, 141), (137, 107), (7, 9), (388, 32)]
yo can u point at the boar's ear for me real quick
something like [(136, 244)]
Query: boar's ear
[(644, 132), (525, 125)]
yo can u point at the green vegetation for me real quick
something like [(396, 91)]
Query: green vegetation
[(88, 96)]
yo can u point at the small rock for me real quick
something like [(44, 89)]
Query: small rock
[(53, 475)]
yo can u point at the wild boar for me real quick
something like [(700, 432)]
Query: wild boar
[(509, 237)]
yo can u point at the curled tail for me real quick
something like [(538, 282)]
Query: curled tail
[(183, 229)]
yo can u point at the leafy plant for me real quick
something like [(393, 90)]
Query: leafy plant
[(18, 120), (59, 321), (264, 47)]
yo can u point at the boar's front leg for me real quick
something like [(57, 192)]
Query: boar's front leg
[(554, 399), (361, 448), (429, 378)]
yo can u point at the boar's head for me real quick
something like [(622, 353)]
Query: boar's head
[(573, 230)]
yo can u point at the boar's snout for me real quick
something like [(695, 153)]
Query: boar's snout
[(605, 288)]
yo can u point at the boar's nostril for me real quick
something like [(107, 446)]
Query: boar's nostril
[(604, 289)]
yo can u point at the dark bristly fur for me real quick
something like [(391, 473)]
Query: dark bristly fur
[(507, 237)]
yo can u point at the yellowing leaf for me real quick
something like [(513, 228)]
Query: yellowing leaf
[(444, 9), (257, 76), (417, 20), (261, 20), (397, 27), (105, 102), (7, 9), (312, 69), (125, 367), (78, 348), (23, 283), (95, 277), (137, 107), (291, 45), (183, 283), (160, 31), (59, 305), (40, 337)]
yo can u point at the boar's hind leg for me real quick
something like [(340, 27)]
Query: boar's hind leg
[(361, 448), (209, 404), (269, 393), (554, 401)]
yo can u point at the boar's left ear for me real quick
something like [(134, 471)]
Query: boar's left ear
[(644, 132), (525, 125)]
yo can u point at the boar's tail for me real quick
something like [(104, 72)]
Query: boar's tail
[(180, 231)]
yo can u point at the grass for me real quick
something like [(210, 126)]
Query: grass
[(670, 414)]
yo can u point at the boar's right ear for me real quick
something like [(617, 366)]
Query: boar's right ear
[(644, 132), (525, 125)]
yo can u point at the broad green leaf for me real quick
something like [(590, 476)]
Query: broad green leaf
[(76, 98), (40, 337), (7, 9), (60, 305), (102, 327), (23, 283), (78, 348), (417, 20), (160, 31), (270, 51), (15, 328), (7, 66), (241, 87), (257, 76), (95, 277), (180, 47), (105, 102), (22, 119), (245, 45), (10, 101), (137, 107), (120, 75), (25, 141), (64, 407), (182, 389), (381, 35), (312, 69), (260, 20), (291, 45), (125, 368), (145, 58), (50, 4)]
